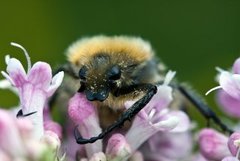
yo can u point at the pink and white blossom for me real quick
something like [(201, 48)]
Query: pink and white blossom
[(156, 117), (34, 87), (229, 95)]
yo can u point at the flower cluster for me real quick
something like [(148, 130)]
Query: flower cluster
[(155, 119), (29, 137), (161, 131), (214, 145)]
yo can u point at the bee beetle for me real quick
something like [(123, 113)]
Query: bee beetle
[(112, 70)]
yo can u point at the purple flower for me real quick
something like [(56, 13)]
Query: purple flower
[(156, 117), (34, 87), (229, 96), (230, 82), (213, 145)]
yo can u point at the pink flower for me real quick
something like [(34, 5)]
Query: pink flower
[(156, 117), (213, 145), (230, 82), (84, 115), (34, 87), (229, 96)]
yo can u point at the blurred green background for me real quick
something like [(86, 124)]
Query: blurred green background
[(191, 36)]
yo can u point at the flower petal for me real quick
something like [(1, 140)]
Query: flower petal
[(169, 123), (7, 58), (229, 104), (161, 99), (236, 66), (184, 122), (56, 82), (40, 75), (232, 143), (230, 84), (16, 72), (5, 84)]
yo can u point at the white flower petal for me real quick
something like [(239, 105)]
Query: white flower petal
[(56, 82), (16, 72), (230, 84), (169, 77), (5, 84), (184, 122), (7, 58), (167, 124), (236, 66)]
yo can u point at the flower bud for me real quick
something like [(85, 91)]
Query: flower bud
[(117, 148), (213, 145)]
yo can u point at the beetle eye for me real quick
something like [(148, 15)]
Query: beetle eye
[(82, 73), (114, 73)]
